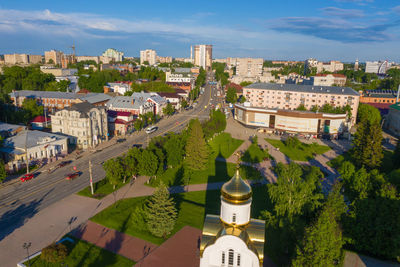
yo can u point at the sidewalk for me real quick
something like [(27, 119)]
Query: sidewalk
[(128, 246)]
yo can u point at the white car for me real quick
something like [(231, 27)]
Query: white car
[(151, 129)]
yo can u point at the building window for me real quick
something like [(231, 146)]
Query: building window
[(234, 218), (230, 257), (223, 257), (238, 260)]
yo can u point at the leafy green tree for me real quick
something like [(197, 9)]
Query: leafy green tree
[(175, 149), (169, 109), (231, 96), (31, 109), (161, 213), (115, 171), (314, 108), (148, 163), (301, 107), (292, 142), (396, 156), (3, 173), (131, 161), (184, 103), (138, 124), (367, 145), (196, 148), (245, 83), (50, 61), (322, 243), (242, 99), (368, 113), (292, 194), (216, 123)]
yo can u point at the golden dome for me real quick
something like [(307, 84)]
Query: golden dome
[(236, 190)]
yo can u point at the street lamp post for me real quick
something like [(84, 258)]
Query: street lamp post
[(27, 246)]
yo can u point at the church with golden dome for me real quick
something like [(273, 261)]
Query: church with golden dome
[(233, 238)]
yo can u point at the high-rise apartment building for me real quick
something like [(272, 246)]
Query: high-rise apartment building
[(249, 67), (164, 59), (203, 56), (13, 59), (54, 56), (148, 55), (114, 54)]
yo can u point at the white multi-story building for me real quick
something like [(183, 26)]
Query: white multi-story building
[(233, 238), (331, 66), (114, 54), (85, 123), (378, 67), (329, 79), (291, 96), (148, 55), (179, 77), (203, 56)]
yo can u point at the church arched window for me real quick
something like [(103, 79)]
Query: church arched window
[(230, 257), (238, 259), (223, 257), (234, 218)]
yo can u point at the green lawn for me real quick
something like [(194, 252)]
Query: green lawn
[(254, 154), (101, 189), (192, 207), (224, 145), (217, 171), (304, 152), (81, 253)]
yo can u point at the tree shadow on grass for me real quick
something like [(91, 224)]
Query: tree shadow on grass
[(14, 219)]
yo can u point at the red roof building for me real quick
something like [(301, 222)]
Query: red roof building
[(41, 122)]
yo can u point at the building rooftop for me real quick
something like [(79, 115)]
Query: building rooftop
[(90, 97), (304, 88), (380, 93), (34, 138), (129, 102), (7, 127), (83, 108), (41, 119), (395, 106)]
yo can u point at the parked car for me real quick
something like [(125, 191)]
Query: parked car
[(121, 140), (151, 129), (27, 176), (137, 145), (71, 176), (64, 163)]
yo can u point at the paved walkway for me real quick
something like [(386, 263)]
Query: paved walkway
[(180, 250), (128, 246)]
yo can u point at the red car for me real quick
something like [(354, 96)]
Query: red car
[(27, 177), (72, 175)]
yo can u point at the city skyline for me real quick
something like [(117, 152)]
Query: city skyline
[(342, 29)]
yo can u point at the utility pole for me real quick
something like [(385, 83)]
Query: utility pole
[(27, 246), (91, 178), (26, 152)]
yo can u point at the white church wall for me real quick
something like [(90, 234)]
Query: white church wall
[(241, 211), (212, 255)]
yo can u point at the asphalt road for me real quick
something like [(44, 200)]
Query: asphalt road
[(19, 201)]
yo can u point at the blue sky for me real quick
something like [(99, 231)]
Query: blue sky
[(323, 29)]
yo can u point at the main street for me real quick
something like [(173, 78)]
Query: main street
[(20, 201)]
